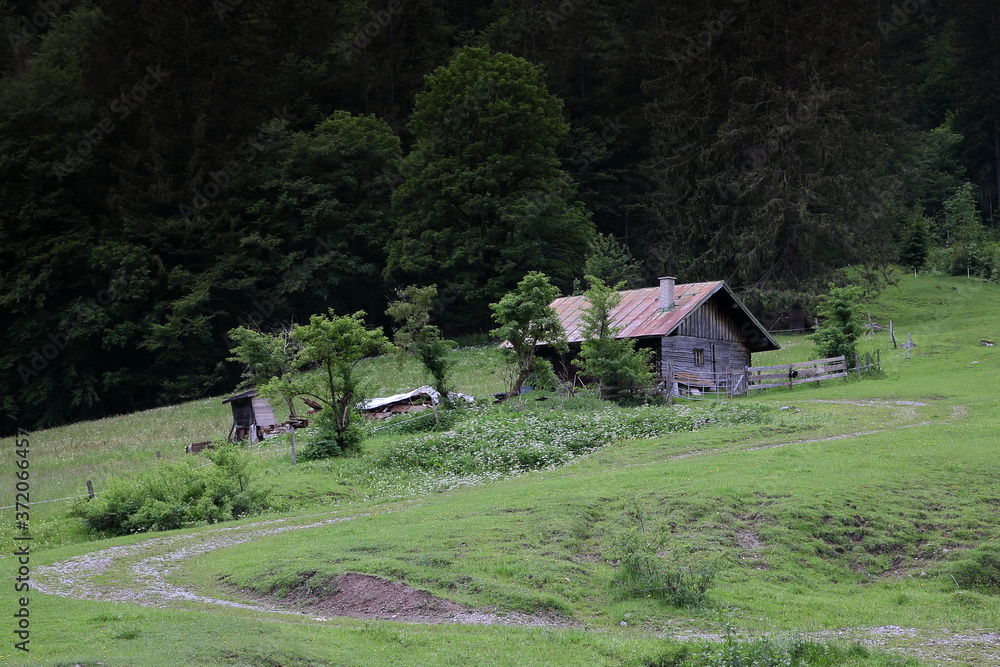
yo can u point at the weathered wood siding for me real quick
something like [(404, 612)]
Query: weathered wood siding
[(710, 321), (720, 356), (263, 412)]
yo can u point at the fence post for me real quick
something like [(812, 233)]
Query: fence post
[(293, 445), (868, 361), (878, 358), (892, 334), (90, 489), (857, 363), (670, 381), (789, 377)]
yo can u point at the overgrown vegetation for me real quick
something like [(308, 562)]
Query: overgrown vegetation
[(526, 319), (502, 442), (649, 562), (176, 495)]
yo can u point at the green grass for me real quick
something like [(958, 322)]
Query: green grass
[(861, 504)]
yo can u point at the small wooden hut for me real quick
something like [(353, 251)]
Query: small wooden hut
[(702, 335), (253, 416)]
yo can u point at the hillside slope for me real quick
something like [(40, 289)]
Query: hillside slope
[(864, 510)]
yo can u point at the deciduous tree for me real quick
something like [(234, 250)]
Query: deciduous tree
[(485, 199), (526, 319)]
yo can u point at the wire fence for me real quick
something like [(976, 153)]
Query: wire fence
[(257, 451)]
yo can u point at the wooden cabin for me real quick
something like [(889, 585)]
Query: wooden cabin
[(702, 334), (253, 416)]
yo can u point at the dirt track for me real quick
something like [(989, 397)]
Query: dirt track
[(141, 573)]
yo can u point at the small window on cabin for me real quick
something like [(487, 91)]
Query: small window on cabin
[(699, 357)]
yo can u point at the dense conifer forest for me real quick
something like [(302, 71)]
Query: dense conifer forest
[(171, 170)]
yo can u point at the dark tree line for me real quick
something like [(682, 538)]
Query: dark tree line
[(169, 170)]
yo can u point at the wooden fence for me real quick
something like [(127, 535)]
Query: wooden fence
[(789, 375)]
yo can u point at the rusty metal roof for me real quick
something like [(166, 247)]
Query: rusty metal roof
[(639, 314)]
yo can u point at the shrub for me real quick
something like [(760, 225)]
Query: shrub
[(175, 495), (333, 439), (649, 564)]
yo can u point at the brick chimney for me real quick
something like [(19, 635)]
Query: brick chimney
[(667, 293)]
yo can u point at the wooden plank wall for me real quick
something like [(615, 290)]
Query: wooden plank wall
[(711, 322), (263, 412), (721, 356)]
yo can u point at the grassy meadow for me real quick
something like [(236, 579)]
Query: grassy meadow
[(832, 513)]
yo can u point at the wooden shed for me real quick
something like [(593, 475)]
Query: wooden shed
[(702, 334), (252, 416)]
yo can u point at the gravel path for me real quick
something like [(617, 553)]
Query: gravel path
[(140, 575), (141, 571)]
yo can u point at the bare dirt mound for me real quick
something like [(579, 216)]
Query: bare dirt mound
[(368, 596)]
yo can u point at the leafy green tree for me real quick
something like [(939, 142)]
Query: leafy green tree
[(840, 323), (613, 362), (335, 344), (415, 335), (526, 319), (266, 357), (485, 198), (318, 207)]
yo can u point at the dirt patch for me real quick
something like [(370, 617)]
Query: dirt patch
[(368, 596), (748, 541), (371, 597)]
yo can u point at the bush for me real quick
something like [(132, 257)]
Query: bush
[(649, 564), (328, 441), (175, 495)]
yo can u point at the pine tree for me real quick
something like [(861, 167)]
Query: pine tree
[(613, 362)]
